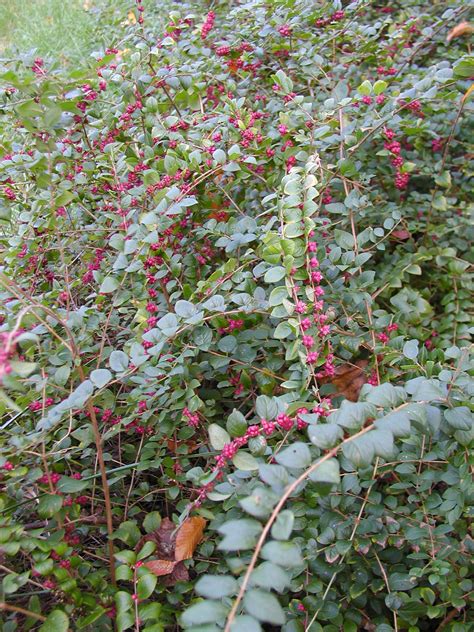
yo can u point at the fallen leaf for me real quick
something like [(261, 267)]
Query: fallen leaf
[(463, 28), (131, 17), (172, 547), (188, 537), (174, 444), (348, 379), (160, 567)]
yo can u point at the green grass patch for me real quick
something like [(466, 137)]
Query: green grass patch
[(67, 31)]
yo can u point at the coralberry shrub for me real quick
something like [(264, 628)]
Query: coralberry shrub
[(234, 339)]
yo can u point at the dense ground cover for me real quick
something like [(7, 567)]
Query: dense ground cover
[(234, 334)]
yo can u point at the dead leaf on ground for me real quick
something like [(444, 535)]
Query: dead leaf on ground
[(172, 547), (348, 379), (174, 444), (463, 28), (188, 537), (161, 567)]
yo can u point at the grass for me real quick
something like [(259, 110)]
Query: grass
[(66, 30)]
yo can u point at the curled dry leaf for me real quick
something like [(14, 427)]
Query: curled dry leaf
[(188, 537), (174, 547), (463, 28)]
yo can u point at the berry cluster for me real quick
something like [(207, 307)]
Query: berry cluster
[(394, 147), (208, 24)]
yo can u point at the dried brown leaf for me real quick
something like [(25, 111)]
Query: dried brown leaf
[(160, 567), (463, 28), (348, 379), (188, 537)]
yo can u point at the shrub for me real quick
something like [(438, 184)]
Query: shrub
[(235, 332)]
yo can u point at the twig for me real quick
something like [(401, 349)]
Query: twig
[(24, 611)]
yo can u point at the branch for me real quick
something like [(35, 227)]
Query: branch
[(24, 611)]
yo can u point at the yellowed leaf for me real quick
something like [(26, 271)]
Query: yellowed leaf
[(463, 28), (188, 537), (160, 567), (468, 92), (131, 17)]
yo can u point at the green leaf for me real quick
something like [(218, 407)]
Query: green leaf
[(218, 437), (146, 585), (286, 554), (219, 156), (344, 239), (244, 623), (109, 284), (49, 505), (325, 436), (56, 621), (185, 309), (239, 534), (422, 389), (386, 395), (274, 475), (382, 443), (22, 369), (68, 485), (100, 377), (123, 601), (91, 618), (352, 415), (146, 550), (128, 532), (365, 88), (327, 472), (126, 557), (266, 407), (152, 521), (216, 586), (460, 418), (203, 612), (283, 525), (282, 331), (360, 451), (236, 424), (284, 81), (380, 86), (410, 349), (260, 503), (296, 455), (278, 295), (464, 67), (245, 461), (264, 606), (168, 324), (124, 620), (118, 361), (271, 576), (397, 422), (274, 274)]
